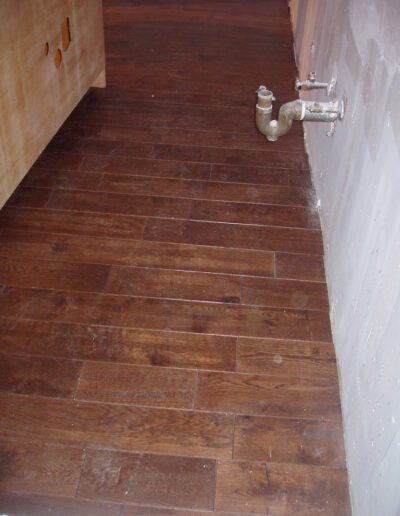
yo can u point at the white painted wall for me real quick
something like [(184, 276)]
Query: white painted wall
[(356, 174)]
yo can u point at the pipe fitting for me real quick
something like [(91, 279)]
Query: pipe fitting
[(265, 99), (312, 84), (273, 129), (295, 110)]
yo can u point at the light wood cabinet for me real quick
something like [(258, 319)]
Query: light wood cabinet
[(51, 52)]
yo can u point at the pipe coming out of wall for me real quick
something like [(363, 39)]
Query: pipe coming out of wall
[(294, 110)]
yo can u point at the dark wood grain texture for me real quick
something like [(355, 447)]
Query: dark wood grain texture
[(151, 313), (149, 479), (38, 505), (38, 468), (294, 441), (116, 383), (268, 395), (38, 375), (165, 336), (299, 359), (71, 248), (119, 427), (121, 345), (281, 489)]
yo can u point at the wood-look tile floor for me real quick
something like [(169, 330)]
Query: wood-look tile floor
[(165, 338)]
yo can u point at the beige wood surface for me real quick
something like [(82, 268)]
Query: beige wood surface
[(35, 96)]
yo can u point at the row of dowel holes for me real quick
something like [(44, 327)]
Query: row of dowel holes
[(65, 41)]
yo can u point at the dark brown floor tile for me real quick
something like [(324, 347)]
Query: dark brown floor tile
[(146, 167), (174, 284), (148, 479), (136, 385), (253, 175), (136, 204), (90, 128), (142, 347), (134, 510), (258, 214), (268, 395), (119, 204), (142, 185), (190, 232), (52, 178), (53, 275), (298, 359), (270, 158), (257, 194), (262, 194), (33, 375), (289, 440), (118, 427), (84, 224), (284, 293), (38, 468), (30, 197), (139, 253), (39, 505), (320, 326), (300, 178), (155, 314), (266, 238), (300, 266), (281, 489), (102, 147), (61, 160), (278, 239)]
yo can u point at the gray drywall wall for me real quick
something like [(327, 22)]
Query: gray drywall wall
[(356, 174)]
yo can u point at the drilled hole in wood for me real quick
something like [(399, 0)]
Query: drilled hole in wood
[(65, 34), (58, 58), (46, 49)]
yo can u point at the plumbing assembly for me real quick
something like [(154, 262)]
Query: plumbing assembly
[(297, 109)]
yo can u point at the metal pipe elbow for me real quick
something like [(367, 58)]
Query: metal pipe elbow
[(273, 129), (287, 113)]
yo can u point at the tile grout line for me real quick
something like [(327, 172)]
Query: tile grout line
[(74, 398), (51, 195), (83, 463), (195, 389)]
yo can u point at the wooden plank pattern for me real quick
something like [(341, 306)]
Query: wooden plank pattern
[(149, 479), (299, 359), (118, 427), (38, 375), (174, 284), (289, 441), (303, 267), (151, 313), (164, 319), (38, 505), (84, 224), (268, 395), (137, 385), (268, 238), (71, 248), (128, 203), (122, 345), (281, 489), (53, 275), (290, 294), (39, 468)]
